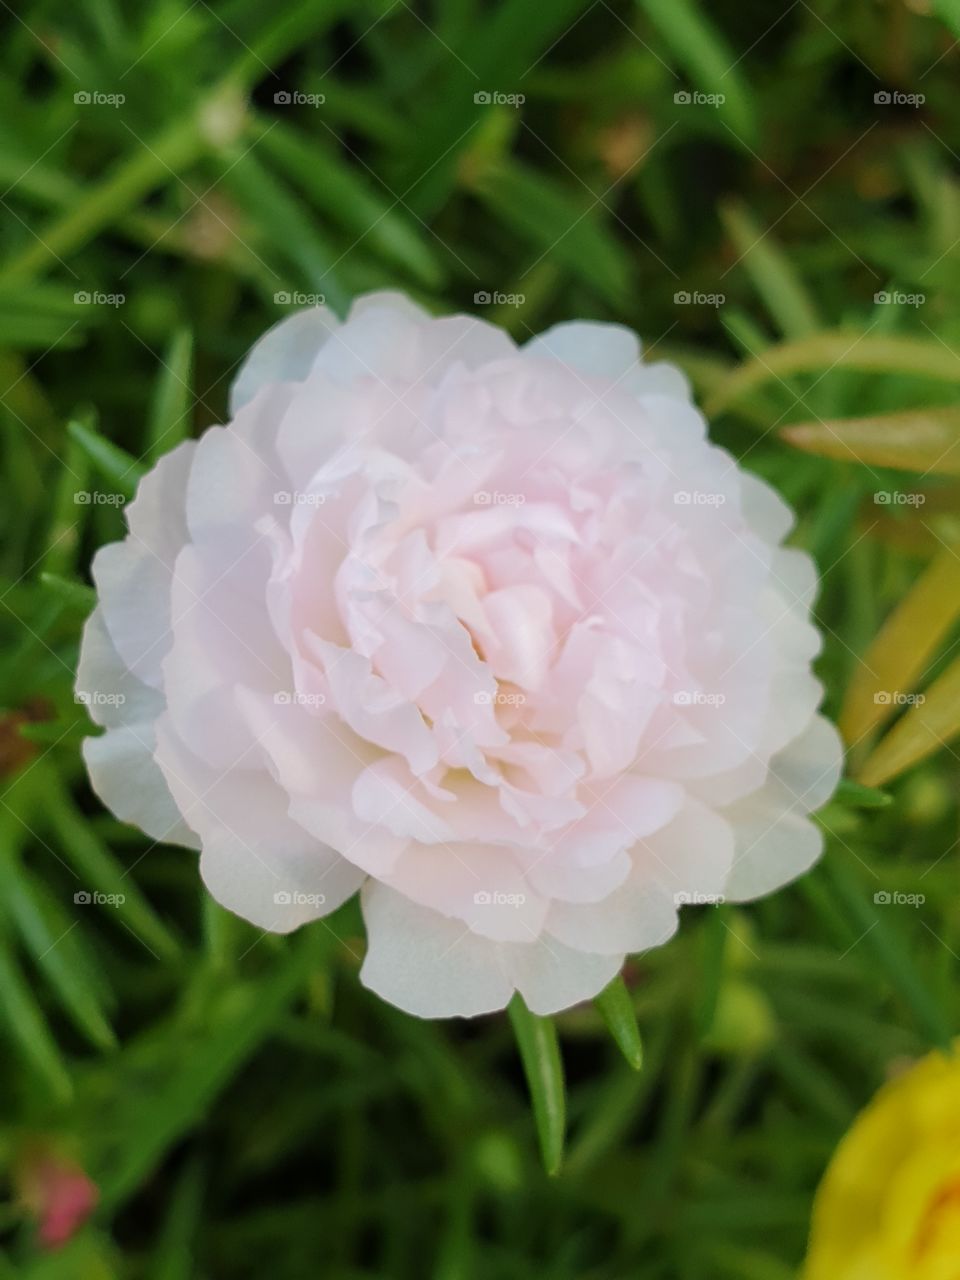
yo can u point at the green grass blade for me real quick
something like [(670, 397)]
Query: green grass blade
[(771, 272), (882, 939), (114, 463), (172, 399), (100, 870), (74, 595), (28, 1026), (46, 934), (709, 60)]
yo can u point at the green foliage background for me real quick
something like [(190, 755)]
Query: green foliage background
[(244, 1105)]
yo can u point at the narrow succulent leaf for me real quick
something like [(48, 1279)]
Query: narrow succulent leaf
[(543, 1067), (616, 1008), (856, 796)]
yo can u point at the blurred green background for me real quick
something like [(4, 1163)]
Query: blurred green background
[(770, 195)]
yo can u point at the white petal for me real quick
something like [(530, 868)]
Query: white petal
[(599, 350), (222, 639), (426, 963), (764, 509), (551, 976), (558, 878), (125, 776), (231, 486), (133, 577), (660, 379), (277, 887), (637, 916), (479, 885), (255, 861), (691, 857), (775, 841), (113, 695), (133, 587), (284, 353), (388, 337)]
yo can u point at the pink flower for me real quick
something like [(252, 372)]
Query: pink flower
[(57, 1192), (492, 634)]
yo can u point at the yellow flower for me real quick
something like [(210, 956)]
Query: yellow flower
[(889, 1205)]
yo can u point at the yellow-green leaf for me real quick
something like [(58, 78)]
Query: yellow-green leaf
[(821, 352), (904, 647), (925, 728), (917, 440)]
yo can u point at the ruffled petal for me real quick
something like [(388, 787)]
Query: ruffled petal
[(426, 963), (775, 841), (285, 353), (125, 775)]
